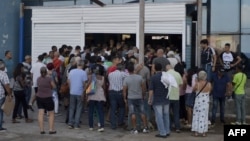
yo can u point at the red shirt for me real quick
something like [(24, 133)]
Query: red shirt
[(57, 64), (111, 69)]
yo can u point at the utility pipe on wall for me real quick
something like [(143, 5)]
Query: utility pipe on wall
[(21, 23)]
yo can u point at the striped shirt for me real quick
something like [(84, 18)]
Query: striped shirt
[(3, 80), (116, 80)]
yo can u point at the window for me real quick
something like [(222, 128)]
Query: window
[(245, 47), (204, 20), (225, 16), (219, 41), (245, 20), (82, 2), (58, 3)]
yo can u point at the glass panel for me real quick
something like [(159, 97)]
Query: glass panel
[(245, 50), (159, 1), (245, 44), (204, 20), (107, 2), (131, 1), (224, 16), (58, 3), (82, 2), (174, 1), (245, 20), (219, 41), (118, 1), (204, 1)]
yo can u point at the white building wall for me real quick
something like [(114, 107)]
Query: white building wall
[(68, 25)]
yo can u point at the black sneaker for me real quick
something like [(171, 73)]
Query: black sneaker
[(223, 121), (3, 129), (160, 136)]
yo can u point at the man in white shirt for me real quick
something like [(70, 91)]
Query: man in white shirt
[(35, 73)]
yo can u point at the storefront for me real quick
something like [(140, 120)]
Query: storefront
[(70, 24)]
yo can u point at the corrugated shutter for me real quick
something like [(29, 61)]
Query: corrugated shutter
[(47, 35), (124, 27), (163, 27), (159, 18), (57, 15), (68, 25)]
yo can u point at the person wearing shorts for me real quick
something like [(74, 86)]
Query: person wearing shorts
[(133, 87), (45, 101)]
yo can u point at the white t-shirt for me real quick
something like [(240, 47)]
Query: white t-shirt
[(35, 71)]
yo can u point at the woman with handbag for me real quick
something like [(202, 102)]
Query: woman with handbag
[(97, 99), (19, 93), (201, 105)]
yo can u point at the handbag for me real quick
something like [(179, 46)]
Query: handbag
[(195, 95), (233, 93), (5, 91), (92, 86), (64, 89), (8, 106)]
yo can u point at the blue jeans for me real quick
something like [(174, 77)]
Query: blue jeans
[(240, 104), (1, 112), (208, 69), (216, 101), (116, 101), (175, 108), (98, 105), (75, 110), (162, 118)]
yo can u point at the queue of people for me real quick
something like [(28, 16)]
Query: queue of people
[(110, 83)]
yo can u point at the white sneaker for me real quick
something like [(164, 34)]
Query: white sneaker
[(244, 123), (99, 124), (100, 130), (134, 131), (91, 129), (145, 130), (235, 123)]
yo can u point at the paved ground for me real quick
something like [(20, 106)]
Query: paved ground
[(30, 132)]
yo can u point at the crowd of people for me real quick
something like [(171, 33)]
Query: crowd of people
[(110, 83)]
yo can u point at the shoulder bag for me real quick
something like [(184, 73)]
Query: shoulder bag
[(196, 94), (233, 93)]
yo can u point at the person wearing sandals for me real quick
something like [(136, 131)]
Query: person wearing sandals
[(201, 105), (45, 101), (19, 93)]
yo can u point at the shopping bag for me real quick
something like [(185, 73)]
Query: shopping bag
[(8, 105)]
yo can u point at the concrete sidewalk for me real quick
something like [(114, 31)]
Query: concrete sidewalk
[(30, 132)]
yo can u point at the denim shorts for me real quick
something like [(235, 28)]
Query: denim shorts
[(189, 99), (136, 106)]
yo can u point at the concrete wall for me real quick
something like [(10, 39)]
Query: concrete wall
[(9, 27), (27, 24)]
